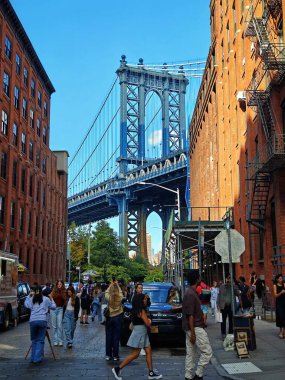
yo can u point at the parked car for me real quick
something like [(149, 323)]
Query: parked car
[(23, 290), (165, 313)]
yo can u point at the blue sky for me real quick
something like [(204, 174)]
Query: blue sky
[(80, 44)]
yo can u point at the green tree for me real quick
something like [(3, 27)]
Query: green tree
[(77, 238), (154, 275), (105, 246)]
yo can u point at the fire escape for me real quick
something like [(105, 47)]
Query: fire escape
[(271, 70)]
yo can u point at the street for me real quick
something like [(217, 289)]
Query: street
[(86, 358)]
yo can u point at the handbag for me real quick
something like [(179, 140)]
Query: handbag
[(218, 316), (106, 312), (131, 326)]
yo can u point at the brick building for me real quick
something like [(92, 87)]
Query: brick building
[(33, 179), (237, 155)]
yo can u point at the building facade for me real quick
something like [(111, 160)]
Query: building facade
[(237, 155), (149, 248), (33, 179)]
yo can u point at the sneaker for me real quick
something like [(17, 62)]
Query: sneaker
[(117, 372), (55, 344), (81, 322), (108, 358), (60, 344), (116, 358), (196, 377), (69, 345), (142, 353), (86, 323), (154, 375)]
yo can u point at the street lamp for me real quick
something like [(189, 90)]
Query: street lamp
[(166, 188)]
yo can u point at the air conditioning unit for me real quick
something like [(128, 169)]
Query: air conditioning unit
[(241, 96)]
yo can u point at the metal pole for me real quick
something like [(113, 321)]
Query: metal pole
[(69, 262), (199, 248), (230, 263), (88, 246)]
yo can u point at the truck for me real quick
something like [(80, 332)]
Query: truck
[(8, 289)]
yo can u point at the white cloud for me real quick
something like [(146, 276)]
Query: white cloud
[(155, 137)]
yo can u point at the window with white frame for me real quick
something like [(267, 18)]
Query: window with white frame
[(4, 126)]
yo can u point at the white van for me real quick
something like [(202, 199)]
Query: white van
[(8, 289)]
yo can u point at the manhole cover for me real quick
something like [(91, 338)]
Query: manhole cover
[(244, 367)]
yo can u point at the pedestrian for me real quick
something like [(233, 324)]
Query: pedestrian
[(214, 296), (58, 294), (85, 302), (259, 294), (97, 303), (224, 304), (70, 315), (40, 306), (279, 295), (196, 336), (139, 337), (245, 295), (113, 326), (47, 289), (205, 296)]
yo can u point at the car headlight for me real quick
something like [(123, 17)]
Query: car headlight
[(179, 315), (127, 314)]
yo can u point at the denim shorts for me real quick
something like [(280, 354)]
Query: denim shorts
[(205, 309)]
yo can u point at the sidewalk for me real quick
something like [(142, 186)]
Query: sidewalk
[(268, 357)]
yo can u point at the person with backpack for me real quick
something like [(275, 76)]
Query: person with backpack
[(85, 302), (245, 296), (204, 294), (39, 306)]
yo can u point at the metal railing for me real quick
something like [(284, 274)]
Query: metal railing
[(211, 214), (278, 259), (275, 148)]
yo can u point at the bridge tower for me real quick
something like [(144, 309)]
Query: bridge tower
[(136, 81)]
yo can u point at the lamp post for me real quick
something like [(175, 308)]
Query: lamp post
[(177, 192)]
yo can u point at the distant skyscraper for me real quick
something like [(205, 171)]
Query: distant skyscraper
[(148, 248)]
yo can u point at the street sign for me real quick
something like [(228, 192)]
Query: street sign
[(237, 245)]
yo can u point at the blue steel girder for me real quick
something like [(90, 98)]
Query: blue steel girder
[(136, 82)]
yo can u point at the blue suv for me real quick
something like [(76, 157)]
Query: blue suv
[(165, 313)]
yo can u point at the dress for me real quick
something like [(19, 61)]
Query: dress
[(280, 307)]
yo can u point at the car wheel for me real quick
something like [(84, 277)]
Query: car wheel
[(6, 321)]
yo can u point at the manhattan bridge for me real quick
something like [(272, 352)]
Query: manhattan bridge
[(133, 159)]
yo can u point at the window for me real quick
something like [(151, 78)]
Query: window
[(14, 173), (38, 160), (31, 151), (39, 99), (3, 165), (36, 225), (16, 97), (18, 64), (31, 185), (12, 214), (4, 127), (2, 209), (23, 180), (8, 47), (28, 258), (26, 76), (45, 135), (235, 17), (39, 127), (29, 222), (6, 83), (228, 36), (24, 108), (21, 219), (33, 88), (32, 123), (15, 134), (45, 109), (44, 165), (23, 142), (44, 196), (38, 190), (43, 229)]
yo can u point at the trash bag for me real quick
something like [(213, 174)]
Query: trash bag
[(229, 344)]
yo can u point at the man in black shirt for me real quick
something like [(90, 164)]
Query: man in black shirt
[(196, 336)]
